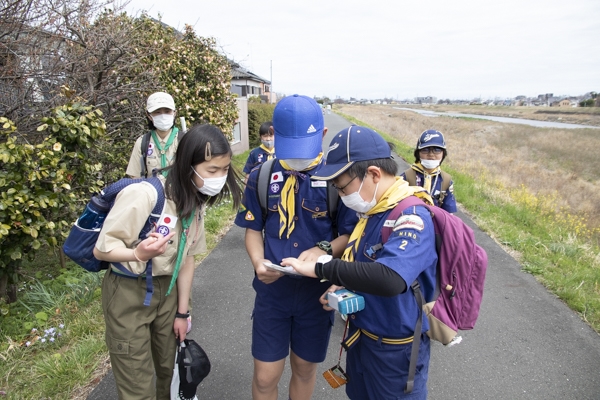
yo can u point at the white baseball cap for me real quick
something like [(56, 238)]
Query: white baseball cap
[(160, 100)]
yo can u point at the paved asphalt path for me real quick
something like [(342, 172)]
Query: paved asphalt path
[(526, 345)]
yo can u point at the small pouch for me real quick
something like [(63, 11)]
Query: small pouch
[(335, 376)]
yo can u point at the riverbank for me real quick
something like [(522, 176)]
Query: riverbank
[(571, 115)]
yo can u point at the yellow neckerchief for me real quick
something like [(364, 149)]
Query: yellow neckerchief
[(287, 203), (395, 193), (270, 152), (426, 175)]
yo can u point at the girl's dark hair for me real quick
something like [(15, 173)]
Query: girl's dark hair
[(418, 158), (198, 142), (151, 126), (388, 165)]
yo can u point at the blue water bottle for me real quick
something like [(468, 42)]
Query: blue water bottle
[(94, 214)]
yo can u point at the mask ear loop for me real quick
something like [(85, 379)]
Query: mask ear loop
[(207, 152)]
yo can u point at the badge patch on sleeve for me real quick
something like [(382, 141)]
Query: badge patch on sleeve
[(249, 216), (410, 221), (168, 221), (276, 177), (166, 224)]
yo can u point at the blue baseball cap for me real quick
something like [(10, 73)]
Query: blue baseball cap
[(431, 138), (298, 124), (355, 143)]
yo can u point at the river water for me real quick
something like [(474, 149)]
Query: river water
[(531, 122)]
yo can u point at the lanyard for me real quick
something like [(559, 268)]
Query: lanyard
[(185, 224)]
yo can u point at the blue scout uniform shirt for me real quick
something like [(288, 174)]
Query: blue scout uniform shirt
[(449, 201), (312, 217), (256, 157), (409, 251)]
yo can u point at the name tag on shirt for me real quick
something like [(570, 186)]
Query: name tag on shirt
[(318, 183)]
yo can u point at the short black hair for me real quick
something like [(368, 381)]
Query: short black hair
[(264, 128)]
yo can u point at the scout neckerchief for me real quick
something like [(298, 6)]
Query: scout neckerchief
[(163, 152), (185, 226), (287, 204), (427, 176), (398, 191), (270, 152)]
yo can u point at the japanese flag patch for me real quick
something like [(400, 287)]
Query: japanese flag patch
[(410, 221), (166, 223), (276, 177)]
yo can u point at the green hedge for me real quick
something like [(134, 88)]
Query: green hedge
[(257, 114)]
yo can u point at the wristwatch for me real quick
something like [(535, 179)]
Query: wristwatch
[(325, 246), (324, 259)]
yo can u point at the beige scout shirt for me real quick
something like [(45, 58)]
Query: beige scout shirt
[(134, 168), (127, 218)]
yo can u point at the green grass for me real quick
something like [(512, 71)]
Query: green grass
[(549, 246), (55, 301)]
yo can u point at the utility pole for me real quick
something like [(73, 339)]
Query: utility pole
[(272, 93)]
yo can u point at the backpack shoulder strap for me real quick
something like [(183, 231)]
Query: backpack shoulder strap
[(144, 151), (388, 228), (262, 185), (332, 202), (180, 134), (446, 179), (411, 176)]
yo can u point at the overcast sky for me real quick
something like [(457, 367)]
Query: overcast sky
[(402, 49)]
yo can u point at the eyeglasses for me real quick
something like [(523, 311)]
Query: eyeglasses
[(434, 150), (341, 189)]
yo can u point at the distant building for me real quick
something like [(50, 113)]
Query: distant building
[(425, 100), (561, 103), (247, 84)]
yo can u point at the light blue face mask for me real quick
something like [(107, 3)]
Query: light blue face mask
[(268, 143)]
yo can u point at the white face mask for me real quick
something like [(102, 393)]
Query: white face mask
[(268, 143), (299, 164), (163, 122), (430, 164), (212, 186), (355, 202)]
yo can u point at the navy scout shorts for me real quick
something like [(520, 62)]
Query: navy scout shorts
[(379, 371), (287, 313)]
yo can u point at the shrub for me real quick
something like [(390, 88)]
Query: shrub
[(257, 114)]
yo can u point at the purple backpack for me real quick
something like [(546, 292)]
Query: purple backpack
[(459, 281)]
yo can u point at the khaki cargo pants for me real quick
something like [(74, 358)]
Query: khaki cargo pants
[(140, 338)]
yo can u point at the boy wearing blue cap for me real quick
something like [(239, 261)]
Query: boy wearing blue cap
[(379, 342), (287, 312), (427, 173)]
